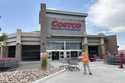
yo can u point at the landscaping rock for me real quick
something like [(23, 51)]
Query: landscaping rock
[(25, 76)]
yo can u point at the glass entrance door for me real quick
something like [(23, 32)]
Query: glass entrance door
[(55, 55), (74, 54), (62, 54), (59, 50)]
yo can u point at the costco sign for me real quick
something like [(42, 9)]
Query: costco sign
[(61, 25)]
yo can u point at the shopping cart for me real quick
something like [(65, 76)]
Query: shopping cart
[(72, 64)]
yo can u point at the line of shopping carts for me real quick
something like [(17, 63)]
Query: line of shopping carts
[(71, 64)]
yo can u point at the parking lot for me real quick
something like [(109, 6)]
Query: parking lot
[(102, 73)]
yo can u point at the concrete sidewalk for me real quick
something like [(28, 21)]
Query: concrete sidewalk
[(102, 73), (24, 65)]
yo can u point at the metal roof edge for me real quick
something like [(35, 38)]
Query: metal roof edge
[(66, 12)]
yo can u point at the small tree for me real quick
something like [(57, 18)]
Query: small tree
[(3, 37)]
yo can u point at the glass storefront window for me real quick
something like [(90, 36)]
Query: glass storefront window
[(60, 45), (70, 45), (55, 46)]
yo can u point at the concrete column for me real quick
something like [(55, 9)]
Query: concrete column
[(102, 47), (6, 52), (102, 41), (18, 51), (85, 44), (102, 50), (84, 41), (2, 50), (18, 44), (43, 30), (5, 49)]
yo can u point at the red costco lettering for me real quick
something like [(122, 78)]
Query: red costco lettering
[(65, 25)]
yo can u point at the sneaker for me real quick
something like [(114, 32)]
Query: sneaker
[(90, 73)]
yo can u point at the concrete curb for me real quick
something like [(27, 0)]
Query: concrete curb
[(48, 77)]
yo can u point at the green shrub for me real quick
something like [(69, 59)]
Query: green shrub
[(44, 63)]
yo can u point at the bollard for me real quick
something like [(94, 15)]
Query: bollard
[(121, 60)]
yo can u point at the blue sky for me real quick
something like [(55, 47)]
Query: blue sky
[(24, 14)]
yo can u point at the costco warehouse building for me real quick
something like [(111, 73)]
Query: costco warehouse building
[(62, 34)]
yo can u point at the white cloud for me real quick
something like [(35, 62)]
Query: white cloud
[(109, 13), (107, 32)]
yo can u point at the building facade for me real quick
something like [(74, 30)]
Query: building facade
[(62, 34)]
